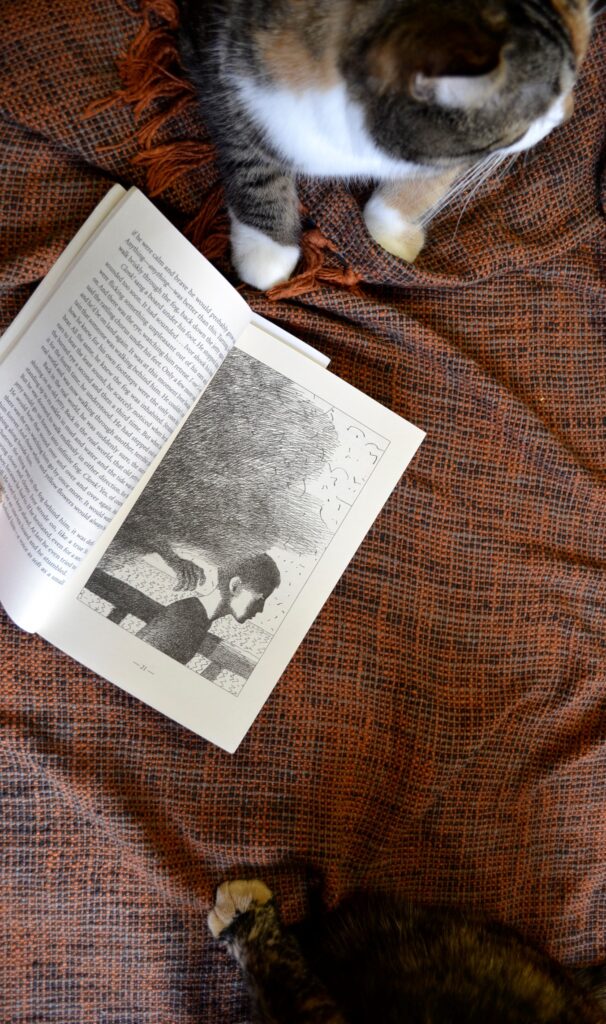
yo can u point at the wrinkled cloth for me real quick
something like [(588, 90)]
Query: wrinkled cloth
[(441, 732)]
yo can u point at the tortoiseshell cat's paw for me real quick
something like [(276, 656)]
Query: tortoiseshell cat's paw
[(392, 231), (235, 898)]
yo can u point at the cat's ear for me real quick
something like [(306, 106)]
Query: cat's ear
[(463, 91), (435, 58)]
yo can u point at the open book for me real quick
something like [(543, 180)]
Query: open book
[(184, 483)]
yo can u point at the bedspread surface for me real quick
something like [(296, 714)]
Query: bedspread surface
[(442, 730)]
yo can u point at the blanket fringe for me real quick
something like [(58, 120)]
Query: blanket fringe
[(153, 84), (317, 271), (169, 161)]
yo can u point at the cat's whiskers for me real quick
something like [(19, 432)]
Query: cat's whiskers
[(490, 166), (467, 185)]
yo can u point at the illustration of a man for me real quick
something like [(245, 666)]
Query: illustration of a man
[(242, 590)]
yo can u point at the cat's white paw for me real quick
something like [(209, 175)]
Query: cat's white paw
[(259, 260), (392, 231), (235, 898)]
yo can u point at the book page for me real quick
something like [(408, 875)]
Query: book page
[(198, 595), (289, 339), (120, 351)]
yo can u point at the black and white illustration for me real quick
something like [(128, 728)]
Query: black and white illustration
[(234, 521)]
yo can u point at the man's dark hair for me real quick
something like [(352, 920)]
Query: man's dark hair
[(259, 572)]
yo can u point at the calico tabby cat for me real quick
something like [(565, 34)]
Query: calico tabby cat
[(410, 93), (379, 961)]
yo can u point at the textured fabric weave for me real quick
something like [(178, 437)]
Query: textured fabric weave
[(442, 730)]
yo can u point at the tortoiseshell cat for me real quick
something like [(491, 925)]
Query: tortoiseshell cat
[(410, 93), (376, 960)]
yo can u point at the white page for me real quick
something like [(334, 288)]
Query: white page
[(289, 339), (377, 444), (88, 396)]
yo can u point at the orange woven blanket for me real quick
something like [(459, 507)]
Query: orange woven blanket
[(442, 730)]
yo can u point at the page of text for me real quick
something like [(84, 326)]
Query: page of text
[(105, 373)]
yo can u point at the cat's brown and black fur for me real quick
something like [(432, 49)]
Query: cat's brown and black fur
[(412, 93), (377, 960)]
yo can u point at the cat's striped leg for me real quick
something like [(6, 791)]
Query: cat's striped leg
[(396, 211), (281, 985), (264, 214)]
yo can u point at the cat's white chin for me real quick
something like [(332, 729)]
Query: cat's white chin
[(258, 259), (392, 231)]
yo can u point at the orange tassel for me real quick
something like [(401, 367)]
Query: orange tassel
[(209, 229), (169, 161), (316, 273)]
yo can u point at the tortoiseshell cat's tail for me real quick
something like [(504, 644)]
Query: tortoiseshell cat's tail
[(281, 985)]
